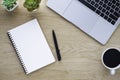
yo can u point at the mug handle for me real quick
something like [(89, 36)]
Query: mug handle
[(112, 72)]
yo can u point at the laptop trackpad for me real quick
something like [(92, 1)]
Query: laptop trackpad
[(80, 16)]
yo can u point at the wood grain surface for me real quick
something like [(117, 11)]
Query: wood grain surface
[(81, 54)]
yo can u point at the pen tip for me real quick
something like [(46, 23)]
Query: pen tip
[(53, 31)]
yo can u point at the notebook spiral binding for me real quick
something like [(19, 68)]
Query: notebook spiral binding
[(17, 51)]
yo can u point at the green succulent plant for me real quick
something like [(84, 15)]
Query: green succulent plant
[(9, 4), (31, 4)]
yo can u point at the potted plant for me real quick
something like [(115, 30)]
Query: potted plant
[(31, 4), (9, 5)]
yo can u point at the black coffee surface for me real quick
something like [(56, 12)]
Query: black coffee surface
[(111, 58)]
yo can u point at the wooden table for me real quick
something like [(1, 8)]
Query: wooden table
[(81, 54)]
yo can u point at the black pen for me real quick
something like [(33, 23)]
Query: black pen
[(56, 46)]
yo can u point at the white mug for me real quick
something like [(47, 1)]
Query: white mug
[(111, 59)]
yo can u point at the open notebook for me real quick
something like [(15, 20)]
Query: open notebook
[(31, 46)]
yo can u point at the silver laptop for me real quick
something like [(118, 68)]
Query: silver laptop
[(97, 18)]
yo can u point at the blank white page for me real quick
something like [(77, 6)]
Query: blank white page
[(31, 46)]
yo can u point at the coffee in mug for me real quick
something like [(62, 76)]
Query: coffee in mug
[(111, 59)]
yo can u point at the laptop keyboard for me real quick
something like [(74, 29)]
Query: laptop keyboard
[(108, 9)]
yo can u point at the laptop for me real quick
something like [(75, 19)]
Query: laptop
[(97, 18)]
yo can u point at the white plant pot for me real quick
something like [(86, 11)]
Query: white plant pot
[(10, 10)]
